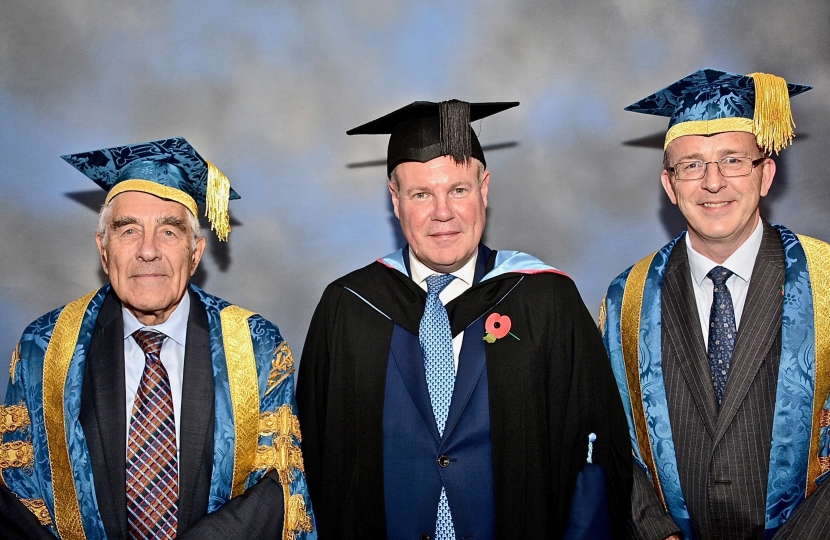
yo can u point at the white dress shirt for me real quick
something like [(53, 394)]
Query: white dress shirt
[(740, 263), (463, 280), (171, 356)]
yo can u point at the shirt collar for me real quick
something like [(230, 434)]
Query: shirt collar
[(420, 271), (175, 327), (740, 263)]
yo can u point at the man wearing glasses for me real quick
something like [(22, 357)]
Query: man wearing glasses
[(720, 341)]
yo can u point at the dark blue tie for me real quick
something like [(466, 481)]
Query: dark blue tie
[(436, 346), (722, 330)]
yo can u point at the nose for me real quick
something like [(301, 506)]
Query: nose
[(713, 180), (148, 250), (442, 211)]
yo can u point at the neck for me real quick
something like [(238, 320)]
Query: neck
[(720, 249)]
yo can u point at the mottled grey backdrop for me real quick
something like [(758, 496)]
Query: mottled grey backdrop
[(266, 90)]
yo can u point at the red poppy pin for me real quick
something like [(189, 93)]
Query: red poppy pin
[(497, 326)]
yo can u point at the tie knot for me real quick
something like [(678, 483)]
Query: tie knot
[(437, 283), (719, 275), (149, 340)]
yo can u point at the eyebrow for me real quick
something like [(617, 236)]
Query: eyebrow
[(697, 156), (122, 221), (174, 221)]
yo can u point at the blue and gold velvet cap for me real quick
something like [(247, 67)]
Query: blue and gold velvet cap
[(710, 101), (167, 168)]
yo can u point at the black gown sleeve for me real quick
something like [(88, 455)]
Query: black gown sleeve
[(17, 522), (257, 513), (594, 404)]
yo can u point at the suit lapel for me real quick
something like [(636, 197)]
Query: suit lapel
[(105, 365), (196, 417), (760, 325), (682, 328), (406, 350), (471, 363)]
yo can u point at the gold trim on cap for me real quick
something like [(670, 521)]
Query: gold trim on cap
[(709, 127), (153, 188)]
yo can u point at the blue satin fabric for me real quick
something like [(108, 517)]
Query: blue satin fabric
[(651, 381), (27, 387), (793, 420), (792, 424), (506, 262)]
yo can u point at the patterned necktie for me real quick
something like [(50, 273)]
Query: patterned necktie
[(152, 462), (722, 330), (436, 347)]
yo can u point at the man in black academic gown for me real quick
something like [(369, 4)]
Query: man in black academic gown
[(485, 409)]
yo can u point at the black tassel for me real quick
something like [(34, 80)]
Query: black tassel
[(454, 118)]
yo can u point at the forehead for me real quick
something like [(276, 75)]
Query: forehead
[(140, 205), (713, 144), (436, 171)]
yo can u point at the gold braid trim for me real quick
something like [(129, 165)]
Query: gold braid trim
[(709, 127), (15, 360), (296, 519), (244, 389), (13, 418), (282, 366), (603, 314), (285, 456), (38, 508), (153, 188), (632, 306), (17, 455), (818, 264), (59, 355)]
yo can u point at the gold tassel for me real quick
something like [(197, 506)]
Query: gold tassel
[(217, 197), (773, 117)]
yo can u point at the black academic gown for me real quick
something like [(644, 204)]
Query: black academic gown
[(547, 392), (256, 514)]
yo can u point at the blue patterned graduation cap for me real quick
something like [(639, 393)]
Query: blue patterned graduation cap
[(423, 130), (167, 168), (710, 101)]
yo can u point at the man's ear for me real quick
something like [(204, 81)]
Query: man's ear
[(485, 186), (767, 175), (99, 240), (394, 199), (197, 254), (665, 179)]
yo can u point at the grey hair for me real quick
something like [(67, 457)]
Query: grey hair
[(105, 218), (396, 183)]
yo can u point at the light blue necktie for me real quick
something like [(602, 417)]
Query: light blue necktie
[(722, 330), (436, 347)]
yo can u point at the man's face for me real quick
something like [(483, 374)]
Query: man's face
[(441, 206), (720, 213), (149, 256)]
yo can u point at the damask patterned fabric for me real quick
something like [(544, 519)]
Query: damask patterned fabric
[(169, 162), (706, 94)]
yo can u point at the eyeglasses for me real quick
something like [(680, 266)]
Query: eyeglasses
[(729, 167)]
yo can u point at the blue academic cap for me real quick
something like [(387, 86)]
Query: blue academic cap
[(167, 168), (710, 101)]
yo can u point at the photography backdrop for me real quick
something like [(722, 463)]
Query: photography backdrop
[(266, 90)]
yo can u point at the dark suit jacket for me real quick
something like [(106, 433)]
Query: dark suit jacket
[(723, 457), (257, 513)]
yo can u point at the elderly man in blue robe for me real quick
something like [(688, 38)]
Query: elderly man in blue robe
[(149, 408)]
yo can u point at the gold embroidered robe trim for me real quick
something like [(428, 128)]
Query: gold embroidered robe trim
[(17, 455), (13, 418), (39, 509), (282, 366)]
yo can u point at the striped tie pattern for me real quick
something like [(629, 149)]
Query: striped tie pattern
[(436, 346), (152, 462)]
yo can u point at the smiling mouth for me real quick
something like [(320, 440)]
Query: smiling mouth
[(715, 204)]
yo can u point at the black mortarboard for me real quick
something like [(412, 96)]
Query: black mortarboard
[(424, 130)]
